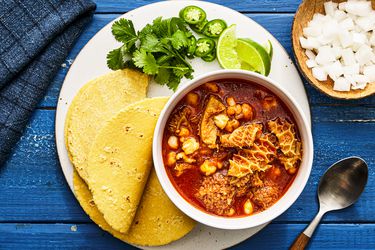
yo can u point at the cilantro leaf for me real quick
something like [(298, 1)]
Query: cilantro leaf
[(115, 59), (159, 49), (161, 28), (145, 60), (149, 43), (145, 31), (163, 76), (123, 31), (178, 24), (181, 70), (179, 40), (173, 82)]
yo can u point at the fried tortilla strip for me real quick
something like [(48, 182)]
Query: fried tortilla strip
[(157, 221), (243, 136), (208, 130), (120, 161), (95, 103)]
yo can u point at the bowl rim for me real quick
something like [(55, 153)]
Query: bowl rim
[(289, 197)]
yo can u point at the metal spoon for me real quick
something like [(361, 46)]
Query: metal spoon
[(340, 186)]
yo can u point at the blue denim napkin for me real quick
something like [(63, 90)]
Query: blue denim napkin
[(35, 38)]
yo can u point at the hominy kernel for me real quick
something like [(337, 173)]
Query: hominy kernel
[(219, 165), (212, 87), (221, 121), (235, 123), (239, 116), (248, 207), (247, 111), (238, 109), (173, 142), (276, 172), (231, 101), (190, 145), (192, 99), (184, 132), (208, 168), (171, 158), (231, 110), (231, 212), (229, 127), (292, 170)]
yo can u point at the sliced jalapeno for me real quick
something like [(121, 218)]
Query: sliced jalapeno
[(214, 28), (204, 46), (192, 14), (192, 46), (210, 57), (199, 26)]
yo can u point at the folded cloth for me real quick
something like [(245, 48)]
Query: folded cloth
[(35, 38)]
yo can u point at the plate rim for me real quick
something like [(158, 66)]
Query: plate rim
[(129, 13)]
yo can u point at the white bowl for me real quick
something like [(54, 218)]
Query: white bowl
[(236, 222)]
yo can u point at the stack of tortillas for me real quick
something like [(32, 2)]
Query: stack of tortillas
[(108, 131)]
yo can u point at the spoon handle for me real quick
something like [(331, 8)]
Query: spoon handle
[(303, 239), (301, 242)]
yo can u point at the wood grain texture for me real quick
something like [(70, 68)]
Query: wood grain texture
[(32, 187), (301, 242), (89, 236), (33, 190), (304, 14), (120, 6), (278, 24)]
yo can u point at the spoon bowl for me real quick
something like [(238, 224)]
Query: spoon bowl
[(340, 186), (343, 183)]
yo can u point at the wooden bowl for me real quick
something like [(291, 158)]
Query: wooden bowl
[(304, 14)]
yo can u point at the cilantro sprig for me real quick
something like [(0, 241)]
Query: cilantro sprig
[(159, 49)]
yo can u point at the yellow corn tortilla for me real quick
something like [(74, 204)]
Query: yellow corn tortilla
[(157, 221), (120, 161), (96, 102)]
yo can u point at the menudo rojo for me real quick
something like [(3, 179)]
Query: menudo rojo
[(231, 148)]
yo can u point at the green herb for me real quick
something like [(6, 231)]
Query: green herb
[(159, 49)]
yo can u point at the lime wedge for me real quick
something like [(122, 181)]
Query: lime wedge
[(243, 53), (269, 48), (226, 49), (254, 54)]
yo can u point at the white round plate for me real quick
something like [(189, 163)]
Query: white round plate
[(91, 63)]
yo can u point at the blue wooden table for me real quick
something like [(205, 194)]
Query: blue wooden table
[(38, 210)]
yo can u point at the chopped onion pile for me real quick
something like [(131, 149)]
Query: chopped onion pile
[(341, 44)]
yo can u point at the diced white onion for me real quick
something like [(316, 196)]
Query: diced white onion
[(310, 54), (369, 71), (325, 55), (351, 69), (348, 56), (364, 54), (311, 63), (345, 39), (341, 84), (341, 44), (319, 73), (358, 8), (347, 24), (330, 8), (312, 31)]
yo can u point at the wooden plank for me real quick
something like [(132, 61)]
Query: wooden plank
[(278, 24), (120, 6), (32, 187), (89, 236)]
